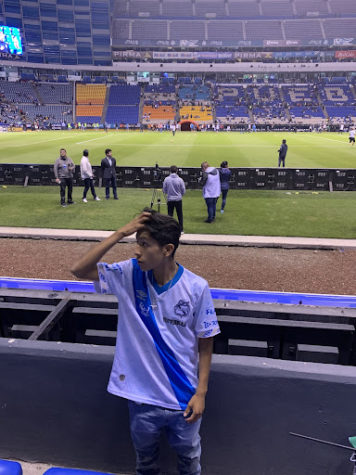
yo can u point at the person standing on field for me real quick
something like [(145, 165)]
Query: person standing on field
[(282, 153), (108, 170), (63, 171), (174, 189), (86, 172)]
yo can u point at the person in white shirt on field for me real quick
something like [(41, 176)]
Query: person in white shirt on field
[(211, 189), (352, 136), (86, 172)]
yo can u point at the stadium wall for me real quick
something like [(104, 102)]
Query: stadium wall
[(245, 67), (54, 408), (148, 177)]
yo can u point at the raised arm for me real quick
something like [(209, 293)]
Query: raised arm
[(86, 267)]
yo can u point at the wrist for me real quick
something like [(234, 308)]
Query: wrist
[(201, 392)]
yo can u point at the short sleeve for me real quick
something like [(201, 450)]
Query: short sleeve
[(111, 277), (206, 322)]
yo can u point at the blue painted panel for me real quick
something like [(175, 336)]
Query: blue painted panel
[(222, 294)]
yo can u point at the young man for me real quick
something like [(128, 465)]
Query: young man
[(63, 171), (211, 189), (282, 153), (108, 172), (174, 189), (352, 136), (164, 339), (86, 172)]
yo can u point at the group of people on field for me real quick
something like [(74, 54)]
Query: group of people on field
[(64, 169)]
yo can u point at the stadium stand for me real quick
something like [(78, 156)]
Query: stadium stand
[(338, 101), (159, 104), (303, 103), (123, 105), (266, 104), (200, 114), (90, 101), (230, 104)]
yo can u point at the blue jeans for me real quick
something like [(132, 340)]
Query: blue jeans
[(211, 205), (224, 195), (146, 425)]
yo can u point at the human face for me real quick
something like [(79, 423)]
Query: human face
[(149, 254), (63, 152), (109, 154)]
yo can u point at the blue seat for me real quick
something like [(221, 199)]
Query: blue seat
[(7, 467), (71, 471)]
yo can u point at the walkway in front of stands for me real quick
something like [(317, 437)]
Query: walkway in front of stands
[(205, 239)]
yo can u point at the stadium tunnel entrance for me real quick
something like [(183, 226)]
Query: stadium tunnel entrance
[(185, 125)]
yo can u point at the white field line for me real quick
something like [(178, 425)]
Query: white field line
[(35, 143), (96, 138)]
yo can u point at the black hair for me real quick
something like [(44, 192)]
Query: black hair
[(107, 150), (223, 164), (85, 152), (162, 228), (284, 141), (173, 169)]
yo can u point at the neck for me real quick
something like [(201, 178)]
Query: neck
[(165, 272)]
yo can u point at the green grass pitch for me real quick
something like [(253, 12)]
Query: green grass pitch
[(186, 149), (248, 212)]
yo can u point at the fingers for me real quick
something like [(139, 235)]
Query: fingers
[(194, 416)]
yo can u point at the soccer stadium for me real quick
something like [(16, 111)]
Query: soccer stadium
[(237, 116)]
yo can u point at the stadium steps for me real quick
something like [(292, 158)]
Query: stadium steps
[(106, 104), (40, 100), (283, 100), (140, 108), (322, 105), (353, 90)]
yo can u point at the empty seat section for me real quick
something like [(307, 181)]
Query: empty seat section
[(90, 94), (303, 29), (303, 7), (123, 105), (161, 113), (190, 30), (244, 8), (343, 7), (144, 8), (264, 30), (55, 94), (225, 30), (120, 29), (340, 28), (90, 102), (281, 8), (149, 29), (210, 8), (172, 8), (196, 113)]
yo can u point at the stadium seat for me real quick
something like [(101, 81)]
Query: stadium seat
[(71, 471), (8, 467)]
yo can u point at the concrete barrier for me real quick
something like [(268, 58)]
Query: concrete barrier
[(54, 408)]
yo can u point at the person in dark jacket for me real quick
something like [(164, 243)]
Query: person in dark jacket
[(108, 173), (282, 153), (225, 174), (63, 171)]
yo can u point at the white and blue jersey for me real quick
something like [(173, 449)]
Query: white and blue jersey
[(156, 357)]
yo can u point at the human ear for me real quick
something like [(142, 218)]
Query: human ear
[(168, 250)]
